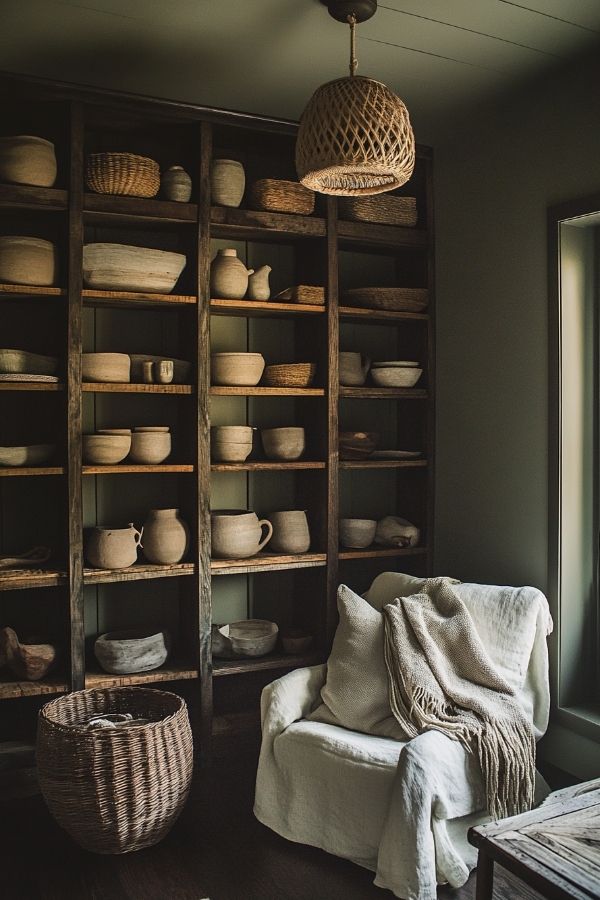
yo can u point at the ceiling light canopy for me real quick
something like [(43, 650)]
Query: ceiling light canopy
[(355, 136)]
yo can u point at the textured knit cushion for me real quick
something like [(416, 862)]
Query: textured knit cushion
[(355, 694)]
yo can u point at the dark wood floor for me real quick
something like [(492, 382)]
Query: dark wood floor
[(216, 850)]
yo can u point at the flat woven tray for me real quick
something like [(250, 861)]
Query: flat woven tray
[(303, 293), (382, 210), (122, 173), (392, 299), (275, 195), (289, 375), (23, 377)]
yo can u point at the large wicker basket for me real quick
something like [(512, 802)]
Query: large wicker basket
[(277, 195), (122, 173), (299, 375), (384, 210), (115, 790)]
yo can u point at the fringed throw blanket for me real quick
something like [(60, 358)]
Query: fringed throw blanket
[(442, 678)]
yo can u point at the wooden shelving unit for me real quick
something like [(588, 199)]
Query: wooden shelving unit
[(62, 499)]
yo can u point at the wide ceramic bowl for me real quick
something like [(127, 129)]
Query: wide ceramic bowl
[(134, 650), (230, 443), (396, 376), (106, 367), (31, 455), (357, 533), (122, 267), (283, 443), (236, 369), (150, 447), (250, 637), (105, 449), (26, 159), (27, 260)]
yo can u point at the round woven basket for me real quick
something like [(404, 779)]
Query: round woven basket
[(122, 173), (115, 790), (289, 375)]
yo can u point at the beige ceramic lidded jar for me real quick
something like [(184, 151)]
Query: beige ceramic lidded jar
[(228, 275), (227, 182), (166, 537)]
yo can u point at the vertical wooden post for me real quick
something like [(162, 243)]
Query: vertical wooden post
[(332, 399), (203, 578), (485, 877), (430, 446), (74, 326)]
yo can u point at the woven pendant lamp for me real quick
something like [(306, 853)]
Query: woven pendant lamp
[(355, 136)]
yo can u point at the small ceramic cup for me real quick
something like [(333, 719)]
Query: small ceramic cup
[(163, 371), (147, 371)]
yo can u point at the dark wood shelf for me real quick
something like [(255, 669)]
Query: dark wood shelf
[(23, 291), (31, 470), (106, 209), (168, 672), (226, 391), (264, 663), (247, 225), (264, 308), (386, 237), (266, 466), (26, 196), (22, 579), (137, 572), (126, 469), (383, 464), (135, 299), (377, 393), (377, 316), (31, 386), (375, 552), (97, 387), (266, 562), (9, 690)]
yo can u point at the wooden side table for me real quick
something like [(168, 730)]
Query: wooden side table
[(555, 849)]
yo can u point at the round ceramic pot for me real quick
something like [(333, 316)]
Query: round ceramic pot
[(236, 533), (230, 443), (357, 533), (149, 448), (105, 449), (228, 275), (126, 652), (283, 443), (238, 369), (290, 531), (27, 260), (25, 159), (227, 182), (176, 184), (166, 537), (113, 548)]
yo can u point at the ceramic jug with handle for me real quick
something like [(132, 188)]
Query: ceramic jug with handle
[(237, 533), (354, 369), (258, 284)]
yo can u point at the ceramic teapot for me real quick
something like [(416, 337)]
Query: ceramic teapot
[(228, 275), (258, 284), (354, 369)]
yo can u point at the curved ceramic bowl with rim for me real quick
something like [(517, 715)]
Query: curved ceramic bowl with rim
[(123, 267), (112, 368), (400, 377), (283, 443), (236, 369), (31, 455), (357, 534), (27, 159), (230, 443), (105, 449), (250, 637), (132, 650), (27, 260), (150, 447)]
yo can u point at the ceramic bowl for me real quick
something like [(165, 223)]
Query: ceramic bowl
[(26, 159), (135, 650), (31, 455), (152, 429), (250, 637), (283, 443), (106, 367), (19, 362), (122, 267), (357, 533), (150, 447), (394, 363), (295, 640), (105, 449), (27, 260), (236, 369), (396, 376), (230, 443), (357, 444)]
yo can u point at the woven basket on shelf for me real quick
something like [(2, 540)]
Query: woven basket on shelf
[(115, 790), (122, 173), (303, 293), (275, 195), (289, 375), (383, 210), (393, 299)]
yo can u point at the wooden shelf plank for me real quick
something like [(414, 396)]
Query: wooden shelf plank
[(135, 299), (266, 466), (389, 237), (31, 470), (383, 463), (22, 579), (31, 386), (106, 208), (10, 690), (98, 387), (227, 391), (263, 663), (254, 308), (137, 572), (265, 562), (22, 291), (169, 672), (125, 469), (26, 196), (248, 224), (377, 393), (380, 315), (375, 552)]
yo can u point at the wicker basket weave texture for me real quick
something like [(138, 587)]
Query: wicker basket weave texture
[(289, 375), (122, 173), (115, 790), (277, 195), (384, 210)]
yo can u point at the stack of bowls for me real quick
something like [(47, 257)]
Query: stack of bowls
[(399, 373), (230, 443)]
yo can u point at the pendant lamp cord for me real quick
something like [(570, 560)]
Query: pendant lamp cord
[(353, 59)]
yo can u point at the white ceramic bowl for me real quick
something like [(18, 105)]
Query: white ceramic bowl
[(105, 449), (250, 637), (27, 260), (106, 367), (357, 533), (394, 376), (26, 159), (122, 267), (149, 447), (236, 369)]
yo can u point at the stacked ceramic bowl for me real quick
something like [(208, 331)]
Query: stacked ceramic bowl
[(396, 373), (230, 443), (146, 445)]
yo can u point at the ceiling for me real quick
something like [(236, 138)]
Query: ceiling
[(267, 56)]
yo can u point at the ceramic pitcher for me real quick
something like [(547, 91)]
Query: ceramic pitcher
[(113, 548), (258, 284), (228, 275), (236, 533), (354, 369), (166, 537)]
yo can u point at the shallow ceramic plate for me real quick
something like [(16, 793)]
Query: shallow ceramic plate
[(395, 454)]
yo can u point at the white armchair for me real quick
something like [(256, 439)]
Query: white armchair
[(400, 809)]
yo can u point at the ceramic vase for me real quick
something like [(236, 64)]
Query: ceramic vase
[(290, 531), (166, 537), (176, 184), (227, 182), (258, 284), (228, 276)]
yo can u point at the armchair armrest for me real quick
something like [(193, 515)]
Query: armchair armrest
[(290, 698)]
